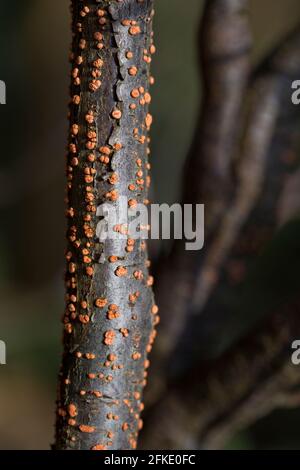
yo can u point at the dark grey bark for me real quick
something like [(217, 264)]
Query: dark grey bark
[(110, 312)]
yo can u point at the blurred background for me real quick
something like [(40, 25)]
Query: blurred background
[(34, 45)]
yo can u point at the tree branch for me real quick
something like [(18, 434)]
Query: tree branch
[(244, 231), (108, 320), (225, 44), (270, 91), (253, 218), (258, 185)]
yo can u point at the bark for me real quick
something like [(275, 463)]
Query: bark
[(110, 312)]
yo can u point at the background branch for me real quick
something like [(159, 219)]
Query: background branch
[(212, 286), (225, 43)]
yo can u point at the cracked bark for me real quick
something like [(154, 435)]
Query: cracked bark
[(110, 313)]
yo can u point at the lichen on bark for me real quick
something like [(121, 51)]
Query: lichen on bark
[(110, 317)]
